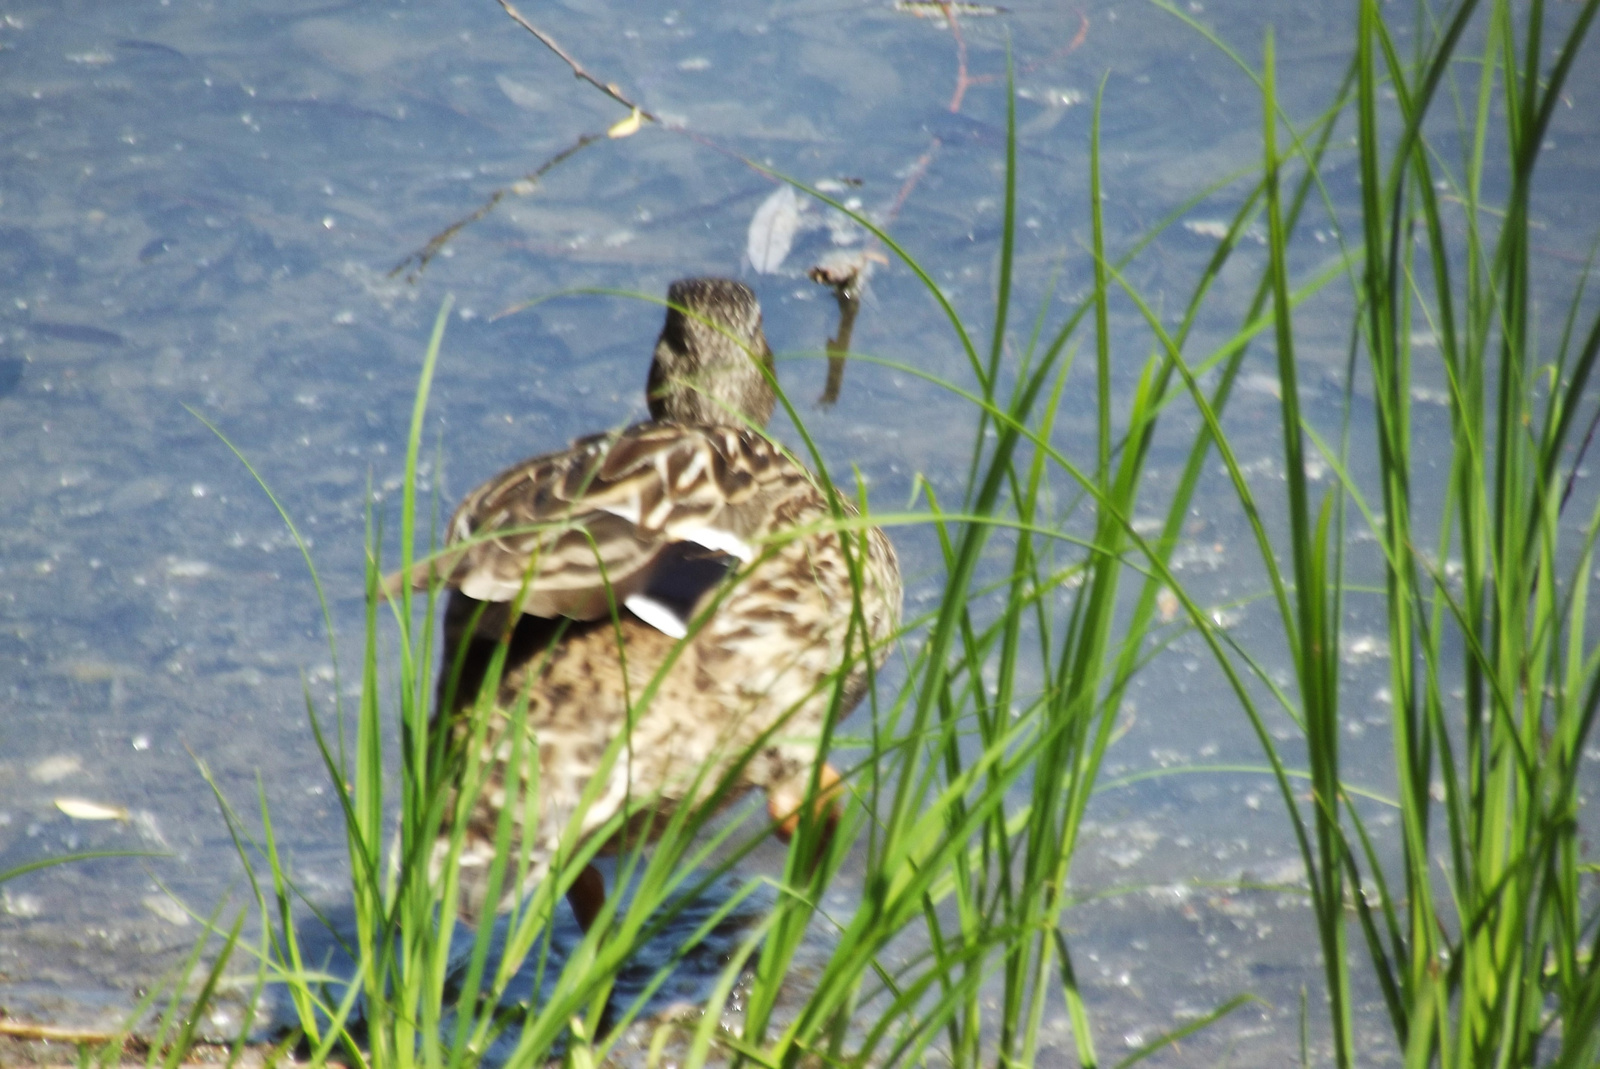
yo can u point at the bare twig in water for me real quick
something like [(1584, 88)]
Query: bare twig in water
[(966, 80), (578, 70), (963, 78), (28, 1030), (846, 277), (846, 286), (418, 261)]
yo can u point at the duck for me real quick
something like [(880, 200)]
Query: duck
[(684, 585)]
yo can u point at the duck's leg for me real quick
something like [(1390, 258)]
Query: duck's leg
[(587, 896), (785, 806)]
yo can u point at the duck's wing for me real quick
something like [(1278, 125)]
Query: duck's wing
[(655, 513)]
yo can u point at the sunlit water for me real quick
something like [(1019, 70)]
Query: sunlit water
[(199, 207)]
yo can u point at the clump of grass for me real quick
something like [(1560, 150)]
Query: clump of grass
[(973, 785), (1481, 941), (959, 855)]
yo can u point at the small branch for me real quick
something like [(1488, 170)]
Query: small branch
[(578, 70), (963, 78), (846, 286), (918, 169), (966, 80), (846, 277), (52, 1033), (418, 261)]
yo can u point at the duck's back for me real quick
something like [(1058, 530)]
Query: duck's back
[(570, 533)]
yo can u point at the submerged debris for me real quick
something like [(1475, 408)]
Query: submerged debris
[(933, 9)]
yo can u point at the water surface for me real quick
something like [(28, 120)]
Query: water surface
[(200, 205)]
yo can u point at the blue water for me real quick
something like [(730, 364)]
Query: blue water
[(200, 205)]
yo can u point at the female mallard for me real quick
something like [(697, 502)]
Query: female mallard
[(690, 535)]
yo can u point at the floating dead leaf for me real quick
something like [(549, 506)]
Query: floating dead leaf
[(627, 127), (79, 809), (772, 230), (1167, 604)]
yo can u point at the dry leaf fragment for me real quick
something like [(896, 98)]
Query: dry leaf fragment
[(772, 230), (79, 809), (627, 127)]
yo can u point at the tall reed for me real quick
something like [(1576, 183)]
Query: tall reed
[(1481, 941), (974, 776)]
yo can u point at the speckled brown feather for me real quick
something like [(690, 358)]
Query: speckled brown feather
[(561, 527), (570, 536)]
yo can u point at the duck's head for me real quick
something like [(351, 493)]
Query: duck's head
[(712, 361)]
